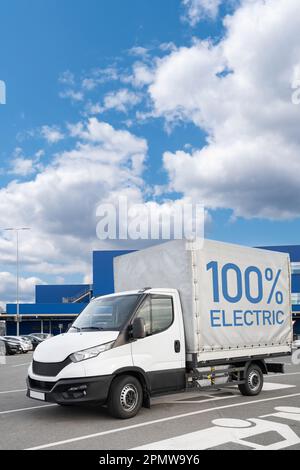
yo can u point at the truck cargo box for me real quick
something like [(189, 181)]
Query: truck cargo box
[(236, 300)]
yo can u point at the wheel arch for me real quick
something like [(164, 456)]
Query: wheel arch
[(139, 374), (258, 362)]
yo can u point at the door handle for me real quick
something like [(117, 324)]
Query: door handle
[(177, 346)]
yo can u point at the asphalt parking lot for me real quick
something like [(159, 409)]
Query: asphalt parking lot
[(220, 419)]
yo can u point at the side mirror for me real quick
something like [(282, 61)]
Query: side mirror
[(138, 328)]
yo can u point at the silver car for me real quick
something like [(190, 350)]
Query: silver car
[(25, 344)]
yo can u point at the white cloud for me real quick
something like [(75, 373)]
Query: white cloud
[(99, 76), (139, 51), (142, 75), (67, 78), (52, 134), (197, 10), (8, 287), (72, 95), (121, 100), (238, 91), (23, 166), (59, 204)]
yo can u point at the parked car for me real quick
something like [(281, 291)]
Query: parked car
[(35, 341), (41, 336), (28, 341), (11, 347), (24, 344)]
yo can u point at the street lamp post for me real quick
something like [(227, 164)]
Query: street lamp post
[(17, 230)]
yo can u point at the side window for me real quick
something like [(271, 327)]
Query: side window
[(162, 313), (145, 313)]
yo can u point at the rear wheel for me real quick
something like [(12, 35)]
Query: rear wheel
[(254, 381), (125, 397)]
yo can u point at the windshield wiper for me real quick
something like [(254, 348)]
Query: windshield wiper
[(99, 328)]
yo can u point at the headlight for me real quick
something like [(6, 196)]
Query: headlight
[(91, 352)]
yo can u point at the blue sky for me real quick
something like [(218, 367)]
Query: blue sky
[(192, 112)]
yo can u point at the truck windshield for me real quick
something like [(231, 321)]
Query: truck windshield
[(107, 313)]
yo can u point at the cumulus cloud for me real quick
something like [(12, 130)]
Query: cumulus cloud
[(23, 166), (8, 287), (239, 91), (73, 95), (52, 134), (59, 204), (142, 74), (197, 10), (121, 100)]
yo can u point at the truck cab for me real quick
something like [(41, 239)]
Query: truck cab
[(122, 349)]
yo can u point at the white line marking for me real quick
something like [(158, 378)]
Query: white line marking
[(281, 376), (162, 420), (14, 391), (269, 386), (24, 364), (213, 398), (25, 409), (227, 431)]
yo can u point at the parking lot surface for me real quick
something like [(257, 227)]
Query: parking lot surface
[(221, 419)]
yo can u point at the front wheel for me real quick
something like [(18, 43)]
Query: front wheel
[(254, 381), (125, 397)]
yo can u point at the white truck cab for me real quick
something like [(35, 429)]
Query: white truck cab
[(136, 337), (223, 311)]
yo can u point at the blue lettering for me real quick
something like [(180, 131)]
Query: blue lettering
[(279, 313), (214, 317), (246, 315), (224, 319), (237, 315), (267, 315)]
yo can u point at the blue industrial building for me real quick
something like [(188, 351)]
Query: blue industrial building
[(56, 306), (294, 252)]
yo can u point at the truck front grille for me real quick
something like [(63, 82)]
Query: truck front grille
[(49, 369), (39, 385)]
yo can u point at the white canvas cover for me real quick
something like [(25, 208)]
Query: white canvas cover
[(235, 300)]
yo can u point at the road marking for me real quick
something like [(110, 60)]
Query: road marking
[(14, 391), (286, 412), (24, 364), (269, 386), (161, 420), (283, 375), (213, 398), (25, 409), (226, 431)]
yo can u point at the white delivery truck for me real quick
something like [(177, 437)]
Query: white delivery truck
[(184, 315)]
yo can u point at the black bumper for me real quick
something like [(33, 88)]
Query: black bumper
[(72, 391)]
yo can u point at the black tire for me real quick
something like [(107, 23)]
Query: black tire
[(125, 397), (254, 381)]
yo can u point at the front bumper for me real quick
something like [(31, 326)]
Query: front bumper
[(72, 391)]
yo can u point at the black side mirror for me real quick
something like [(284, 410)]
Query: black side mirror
[(138, 328)]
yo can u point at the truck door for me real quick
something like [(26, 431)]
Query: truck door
[(161, 354)]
